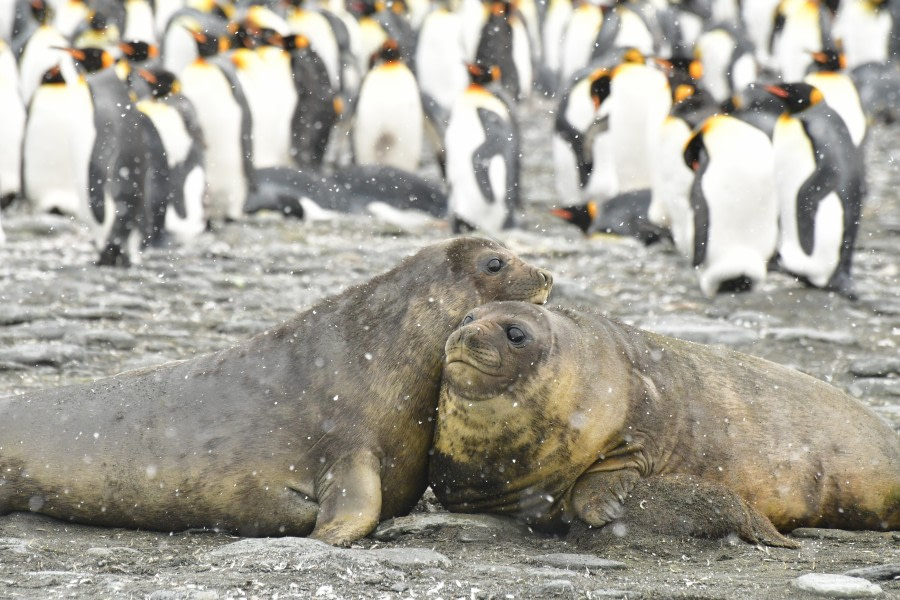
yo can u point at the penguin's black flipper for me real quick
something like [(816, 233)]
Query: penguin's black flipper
[(697, 159), (822, 182), (436, 119), (497, 133), (159, 193)]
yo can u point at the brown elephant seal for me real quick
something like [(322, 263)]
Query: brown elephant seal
[(320, 425), (555, 415)]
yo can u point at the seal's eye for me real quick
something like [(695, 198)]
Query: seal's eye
[(515, 335), (468, 319), (494, 265)]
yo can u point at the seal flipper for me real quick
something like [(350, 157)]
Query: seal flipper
[(349, 496), (668, 505), (599, 498)]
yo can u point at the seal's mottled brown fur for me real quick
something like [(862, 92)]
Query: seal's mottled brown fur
[(562, 425), (320, 425)]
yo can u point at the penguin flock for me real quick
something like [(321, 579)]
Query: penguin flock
[(736, 130)]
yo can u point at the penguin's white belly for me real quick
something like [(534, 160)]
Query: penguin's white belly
[(634, 33), (59, 139), (581, 31), (316, 28), (557, 17), (715, 48), (179, 47), (440, 66), (792, 49), (640, 101), (603, 183), (566, 176), (758, 18), (219, 116), (13, 128), (139, 22), (794, 163), (194, 222), (272, 97), (466, 200), (841, 95), (472, 19), (521, 55), (864, 32), (388, 125), (40, 55), (171, 129), (739, 188), (669, 195)]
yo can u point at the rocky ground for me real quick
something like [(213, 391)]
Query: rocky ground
[(64, 321)]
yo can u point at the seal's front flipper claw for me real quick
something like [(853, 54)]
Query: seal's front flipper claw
[(349, 499), (599, 498)]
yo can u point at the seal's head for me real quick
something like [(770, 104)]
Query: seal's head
[(496, 272), (495, 349)]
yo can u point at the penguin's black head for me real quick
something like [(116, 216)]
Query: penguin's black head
[(294, 42), (601, 86), (694, 148), (581, 216), (208, 44), (97, 21), (797, 97), (681, 70), (828, 61), (481, 74), (137, 51), (389, 52), (91, 59), (41, 11), (53, 75), (162, 82)]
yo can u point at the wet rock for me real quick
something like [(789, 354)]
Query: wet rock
[(577, 562), (699, 329), (427, 524), (12, 544), (46, 331), (875, 366), (95, 313), (574, 293), (870, 387), (12, 314), (836, 586), (877, 572), (120, 340), (786, 334), (31, 355)]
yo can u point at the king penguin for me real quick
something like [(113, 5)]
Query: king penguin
[(504, 42), (864, 28), (578, 40), (729, 64), (731, 229), (56, 149), (13, 111), (800, 27), (36, 49), (818, 173), (388, 120), (224, 117), (117, 170), (176, 183), (482, 146), (316, 28), (839, 91), (582, 146)]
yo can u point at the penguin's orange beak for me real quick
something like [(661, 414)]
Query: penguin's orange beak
[(776, 91), (73, 52), (562, 213), (147, 76)]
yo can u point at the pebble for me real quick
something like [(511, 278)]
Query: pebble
[(837, 586), (561, 588), (120, 340), (814, 533), (874, 386), (623, 594), (41, 354), (577, 562), (472, 527)]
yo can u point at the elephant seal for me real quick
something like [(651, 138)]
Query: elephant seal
[(556, 415), (319, 426)]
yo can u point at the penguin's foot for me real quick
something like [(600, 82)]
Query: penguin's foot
[(113, 256), (736, 285), (8, 199), (843, 285)]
